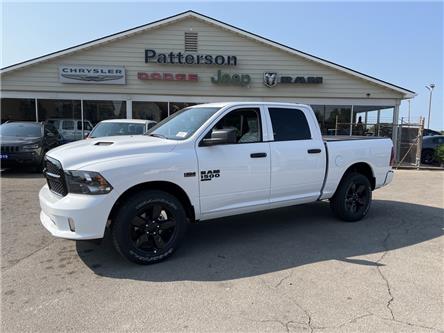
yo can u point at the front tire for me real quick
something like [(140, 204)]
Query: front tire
[(149, 227), (353, 197)]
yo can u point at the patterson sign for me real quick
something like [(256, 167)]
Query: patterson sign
[(92, 74), (189, 59)]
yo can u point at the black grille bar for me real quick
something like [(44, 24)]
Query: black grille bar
[(55, 176), (9, 149)]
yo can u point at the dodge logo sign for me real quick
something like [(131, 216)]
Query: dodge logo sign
[(270, 79)]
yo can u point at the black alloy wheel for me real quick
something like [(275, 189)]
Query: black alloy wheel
[(153, 228), (148, 226), (352, 199), (356, 198)]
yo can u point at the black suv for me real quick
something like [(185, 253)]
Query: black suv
[(26, 143)]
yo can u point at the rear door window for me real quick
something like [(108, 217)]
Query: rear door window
[(289, 124), (68, 125), (86, 126)]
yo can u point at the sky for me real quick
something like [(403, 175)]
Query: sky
[(398, 42)]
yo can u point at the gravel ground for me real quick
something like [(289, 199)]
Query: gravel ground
[(292, 270)]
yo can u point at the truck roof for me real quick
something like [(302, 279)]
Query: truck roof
[(131, 121), (224, 104)]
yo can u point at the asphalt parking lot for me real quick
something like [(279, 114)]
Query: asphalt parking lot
[(288, 270)]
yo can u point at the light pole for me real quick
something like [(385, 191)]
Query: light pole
[(409, 112), (430, 87)]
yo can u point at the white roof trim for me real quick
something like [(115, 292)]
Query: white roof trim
[(407, 93)]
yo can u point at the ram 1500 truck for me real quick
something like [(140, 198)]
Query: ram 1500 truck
[(204, 162)]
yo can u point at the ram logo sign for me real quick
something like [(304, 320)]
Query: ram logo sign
[(270, 79), (92, 74)]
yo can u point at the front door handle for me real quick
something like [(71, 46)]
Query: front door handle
[(258, 155), (313, 151)]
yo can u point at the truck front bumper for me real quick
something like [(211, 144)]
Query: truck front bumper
[(75, 216)]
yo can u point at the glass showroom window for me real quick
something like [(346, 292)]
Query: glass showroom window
[(15, 109), (176, 106), (63, 114), (319, 111), (373, 120), (150, 110), (337, 120), (96, 111)]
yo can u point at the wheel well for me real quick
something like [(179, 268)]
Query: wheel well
[(364, 169), (168, 187)]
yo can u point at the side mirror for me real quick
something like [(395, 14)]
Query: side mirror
[(50, 135), (220, 137)]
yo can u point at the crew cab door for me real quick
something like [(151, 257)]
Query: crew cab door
[(235, 177), (298, 156)]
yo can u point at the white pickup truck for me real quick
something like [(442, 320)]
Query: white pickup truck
[(205, 162)]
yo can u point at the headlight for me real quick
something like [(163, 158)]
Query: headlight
[(34, 146), (87, 182)]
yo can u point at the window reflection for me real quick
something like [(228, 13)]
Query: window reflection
[(14, 109), (96, 111), (156, 111)]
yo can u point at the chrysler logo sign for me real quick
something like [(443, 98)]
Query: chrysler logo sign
[(92, 74)]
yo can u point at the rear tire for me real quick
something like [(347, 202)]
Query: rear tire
[(427, 156), (353, 197), (149, 227)]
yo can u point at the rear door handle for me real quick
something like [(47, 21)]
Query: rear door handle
[(313, 151), (258, 155)]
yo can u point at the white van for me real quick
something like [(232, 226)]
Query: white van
[(71, 129)]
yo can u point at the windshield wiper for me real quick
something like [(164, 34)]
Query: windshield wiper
[(158, 135)]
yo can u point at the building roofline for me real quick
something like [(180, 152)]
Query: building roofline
[(190, 13)]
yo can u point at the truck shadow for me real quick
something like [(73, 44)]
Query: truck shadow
[(264, 242)]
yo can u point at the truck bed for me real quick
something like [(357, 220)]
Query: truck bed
[(331, 138)]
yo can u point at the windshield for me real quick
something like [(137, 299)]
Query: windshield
[(111, 129), (182, 124), (21, 130)]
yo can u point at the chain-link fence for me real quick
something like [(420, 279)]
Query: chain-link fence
[(408, 143)]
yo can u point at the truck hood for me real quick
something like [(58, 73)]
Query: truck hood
[(77, 155)]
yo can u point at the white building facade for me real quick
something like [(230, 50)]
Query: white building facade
[(152, 71)]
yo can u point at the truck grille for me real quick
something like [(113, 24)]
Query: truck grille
[(9, 149), (55, 176)]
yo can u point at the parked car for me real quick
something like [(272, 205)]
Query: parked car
[(204, 162), (113, 127), (429, 132), (25, 143), (71, 129), (429, 145)]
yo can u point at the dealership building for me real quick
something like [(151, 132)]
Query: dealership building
[(152, 71)]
